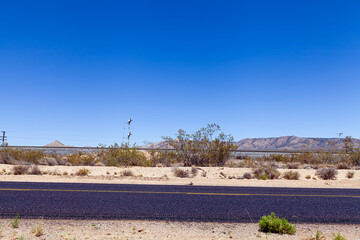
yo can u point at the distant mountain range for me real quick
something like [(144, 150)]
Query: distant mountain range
[(291, 143)]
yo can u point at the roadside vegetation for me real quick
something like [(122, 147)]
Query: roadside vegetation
[(274, 224), (207, 147)]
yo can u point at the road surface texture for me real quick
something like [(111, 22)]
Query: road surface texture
[(181, 203)]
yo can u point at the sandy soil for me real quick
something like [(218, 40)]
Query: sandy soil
[(215, 176), (81, 229)]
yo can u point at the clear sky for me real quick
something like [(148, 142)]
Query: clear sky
[(75, 71)]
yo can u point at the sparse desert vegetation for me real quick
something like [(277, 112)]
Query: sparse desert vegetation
[(205, 156), (208, 147), (129, 229)]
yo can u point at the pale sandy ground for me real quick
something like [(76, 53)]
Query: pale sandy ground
[(215, 176), (80, 229)]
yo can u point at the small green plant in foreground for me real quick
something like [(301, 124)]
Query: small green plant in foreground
[(38, 230), (318, 236), (274, 224), (338, 237), (95, 227), (15, 222)]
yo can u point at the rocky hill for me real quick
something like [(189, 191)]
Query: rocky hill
[(56, 143)]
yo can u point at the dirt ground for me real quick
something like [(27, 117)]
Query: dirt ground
[(95, 229), (209, 176)]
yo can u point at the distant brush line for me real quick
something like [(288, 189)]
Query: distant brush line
[(168, 149)]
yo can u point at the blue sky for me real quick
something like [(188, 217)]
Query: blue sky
[(75, 71)]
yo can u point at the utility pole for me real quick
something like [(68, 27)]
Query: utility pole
[(3, 138)]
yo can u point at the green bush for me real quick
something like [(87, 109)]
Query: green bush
[(274, 224), (81, 159), (206, 147), (124, 155), (265, 172), (10, 155)]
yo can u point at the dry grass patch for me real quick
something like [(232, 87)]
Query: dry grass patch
[(20, 169), (248, 175), (82, 172), (291, 175), (127, 173), (327, 173), (350, 174), (181, 173), (35, 170), (343, 166)]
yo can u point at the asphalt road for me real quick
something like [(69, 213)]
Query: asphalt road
[(182, 203)]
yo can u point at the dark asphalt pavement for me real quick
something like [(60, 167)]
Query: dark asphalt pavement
[(183, 203)]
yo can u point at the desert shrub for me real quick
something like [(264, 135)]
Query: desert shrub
[(248, 175), (350, 174), (194, 171), (20, 169), (181, 173), (48, 161), (82, 172), (127, 173), (249, 162), (161, 158), (266, 172), (343, 165), (291, 175), (80, 159), (293, 166), (206, 147), (305, 157), (234, 164), (10, 155), (278, 158), (124, 155), (6, 158), (355, 157), (241, 157), (326, 173), (274, 224), (338, 237), (35, 170)]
